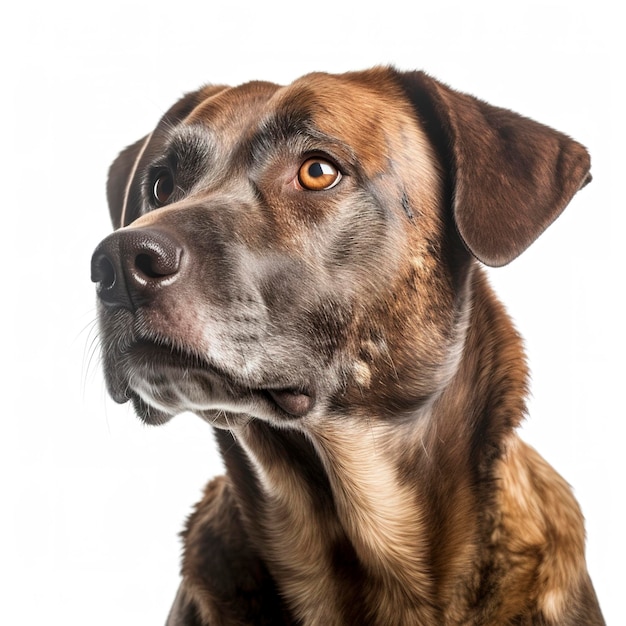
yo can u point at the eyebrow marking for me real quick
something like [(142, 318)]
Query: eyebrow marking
[(132, 176), (299, 133)]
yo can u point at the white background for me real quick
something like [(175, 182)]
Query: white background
[(91, 500)]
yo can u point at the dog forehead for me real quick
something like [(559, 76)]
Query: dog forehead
[(232, 109), (361, 110), (352, 97)]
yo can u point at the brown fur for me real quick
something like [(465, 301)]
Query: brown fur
[(364, 382)]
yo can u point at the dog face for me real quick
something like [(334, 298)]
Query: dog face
[(302, 252)]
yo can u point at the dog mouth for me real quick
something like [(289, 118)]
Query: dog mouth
[(162, 381)]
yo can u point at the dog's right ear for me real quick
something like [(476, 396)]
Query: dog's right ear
[(122, 172)]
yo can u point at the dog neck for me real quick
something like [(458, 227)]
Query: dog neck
[(373, 500)]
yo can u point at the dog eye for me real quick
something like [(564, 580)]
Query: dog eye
[(163, 187), (317, 174)]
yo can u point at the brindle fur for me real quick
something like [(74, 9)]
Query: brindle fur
[(387, 485)]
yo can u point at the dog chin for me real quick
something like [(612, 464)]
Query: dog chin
[(149, 414)]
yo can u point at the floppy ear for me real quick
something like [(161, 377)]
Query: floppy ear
[(122, 171), (120, 177), (511, 177)]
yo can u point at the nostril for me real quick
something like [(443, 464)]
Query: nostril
[(144, 263), (103, 272), (108, 274), (154, 258)]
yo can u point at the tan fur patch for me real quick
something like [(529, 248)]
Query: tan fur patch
[(541, 527), (297, 538), (382, 517), (362, 374)]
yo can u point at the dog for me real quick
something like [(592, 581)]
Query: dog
[(301, 267)]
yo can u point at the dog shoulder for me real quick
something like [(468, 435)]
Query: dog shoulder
[(540, 539), (224, 582)]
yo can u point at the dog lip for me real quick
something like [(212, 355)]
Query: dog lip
[(295, 402), (292, 401), (119, 393), (162, 356), (148, 414)]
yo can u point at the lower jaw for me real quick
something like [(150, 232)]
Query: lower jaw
[(281, 404), (150, 415)]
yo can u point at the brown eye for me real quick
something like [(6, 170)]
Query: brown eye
[(318, 175), (163, 187)]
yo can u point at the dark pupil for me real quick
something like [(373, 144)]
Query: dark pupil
[(164, 187), (316, 170)]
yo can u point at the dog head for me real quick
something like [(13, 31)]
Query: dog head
[(291, 252)]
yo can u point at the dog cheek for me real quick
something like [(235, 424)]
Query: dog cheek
[(328, 328)]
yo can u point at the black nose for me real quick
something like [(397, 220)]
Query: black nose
[(131, 266)]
